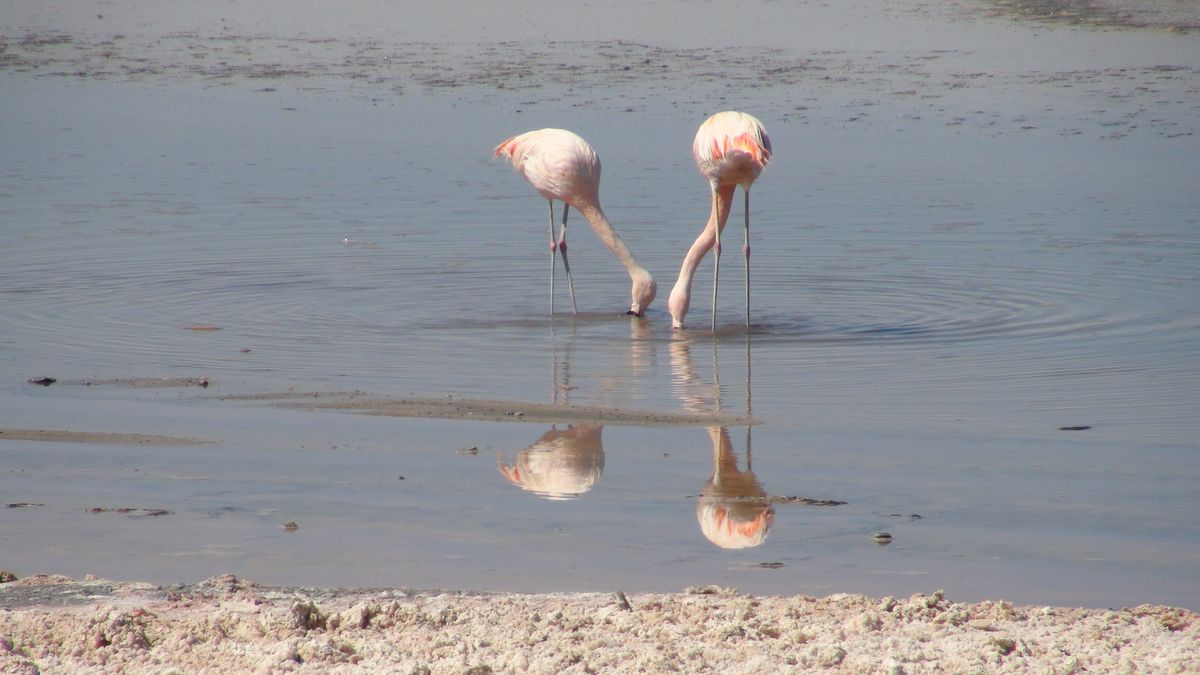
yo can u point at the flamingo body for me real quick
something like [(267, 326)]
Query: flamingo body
[(557, 163), (561, 166), (731, 149)]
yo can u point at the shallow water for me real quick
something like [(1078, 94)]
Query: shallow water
[(931, 306)]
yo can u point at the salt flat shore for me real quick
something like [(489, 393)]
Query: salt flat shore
[(224, 624)]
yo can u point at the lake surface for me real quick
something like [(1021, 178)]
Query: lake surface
[(944, 278)]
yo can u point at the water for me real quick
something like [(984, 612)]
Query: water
[(933, 302)]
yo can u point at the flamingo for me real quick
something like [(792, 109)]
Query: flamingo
[(731, 149), (562, 166)]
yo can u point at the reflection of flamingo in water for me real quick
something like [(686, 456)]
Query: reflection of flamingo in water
[(731, 149), (733, 508), (561, 464), (561, 165)]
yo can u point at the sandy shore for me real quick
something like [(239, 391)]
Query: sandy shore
[(55, 624)]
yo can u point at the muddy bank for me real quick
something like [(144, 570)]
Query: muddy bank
[(1172, 15), (115, 438), (975, 86), (367, 404), (487, 410), (225, 624)]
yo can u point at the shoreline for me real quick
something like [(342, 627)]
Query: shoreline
[(488, 410), (1175, 16), (53, 623)]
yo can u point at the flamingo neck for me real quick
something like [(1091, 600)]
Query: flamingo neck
[(724, 460), (682, 293), (607, 234)]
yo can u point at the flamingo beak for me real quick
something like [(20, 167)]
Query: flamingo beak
[(634, 313)]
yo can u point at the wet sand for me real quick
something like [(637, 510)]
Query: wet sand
[(485, 65), (55, 624), (65, 436), (489, 411), (1172, 15)]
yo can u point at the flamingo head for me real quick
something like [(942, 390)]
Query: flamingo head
[(678, 305), (644, 290)]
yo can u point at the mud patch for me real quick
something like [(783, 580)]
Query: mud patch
[(489, 411), (1174, 15), (881, 89), (101, 438)]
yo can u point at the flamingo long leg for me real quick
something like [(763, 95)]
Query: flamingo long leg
[(553, 248), (562, 248), (716, 263), (746, 252)]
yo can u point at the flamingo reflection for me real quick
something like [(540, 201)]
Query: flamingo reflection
[(733, 508), (562, 463)]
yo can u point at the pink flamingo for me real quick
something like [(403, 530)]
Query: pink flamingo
[(561, 165), (731, 149)]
